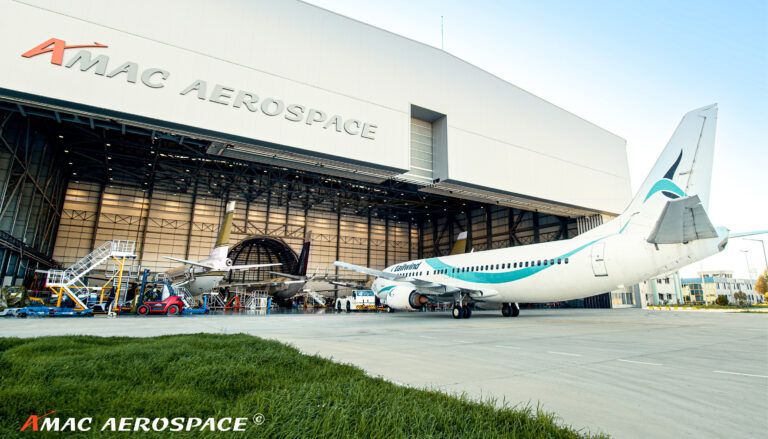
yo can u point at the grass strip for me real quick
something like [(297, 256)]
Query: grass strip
[(208, 375)]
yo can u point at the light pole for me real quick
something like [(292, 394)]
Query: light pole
[(749, 269), (765, 257)]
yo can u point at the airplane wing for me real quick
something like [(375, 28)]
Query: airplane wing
[(368, 271), (251, 266), (427, 287), (682, 220), (184, 261)]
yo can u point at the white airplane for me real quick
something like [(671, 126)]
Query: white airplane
[(201, 276), (665, 227)]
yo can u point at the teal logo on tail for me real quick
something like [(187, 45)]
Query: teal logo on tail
[(666, 186)]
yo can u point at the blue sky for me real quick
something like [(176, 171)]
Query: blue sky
[(631, 67)]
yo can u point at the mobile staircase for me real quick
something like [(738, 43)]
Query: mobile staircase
[(70, 282), (317, 298)]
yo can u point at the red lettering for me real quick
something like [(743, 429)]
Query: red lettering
[(56, 47), (32, 421)]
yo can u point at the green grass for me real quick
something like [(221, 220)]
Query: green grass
[(208, 375)]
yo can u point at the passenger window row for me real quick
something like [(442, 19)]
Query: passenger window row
[(479, 268)]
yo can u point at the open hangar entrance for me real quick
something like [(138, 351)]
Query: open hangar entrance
[(72, 181)]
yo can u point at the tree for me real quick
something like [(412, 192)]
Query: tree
[(741, 298), (722, 300), (761, 286)]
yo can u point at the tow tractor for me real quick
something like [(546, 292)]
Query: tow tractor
[(359, 300)]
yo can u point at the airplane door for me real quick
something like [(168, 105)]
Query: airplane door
[(598, 259)]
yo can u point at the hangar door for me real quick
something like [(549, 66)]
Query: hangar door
[(598, 259)]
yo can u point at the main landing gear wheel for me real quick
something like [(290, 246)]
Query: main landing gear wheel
[(467, 312), (457, 312), (510, 310)]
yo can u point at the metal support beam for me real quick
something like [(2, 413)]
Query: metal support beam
[(470, 243), (386, 242), (188, 245), (368, 239), (420, 249), (536, 231), (99, 205), (488, 228), (410, 240)]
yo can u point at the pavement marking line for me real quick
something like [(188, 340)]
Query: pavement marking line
[(639, 362), (427, 337), (564, 353), (461, 341), (739, 373), (506, 347)]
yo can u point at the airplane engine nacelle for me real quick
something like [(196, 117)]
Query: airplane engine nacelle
[(405, 298)]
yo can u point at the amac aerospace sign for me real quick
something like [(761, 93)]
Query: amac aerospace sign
[(219, 94)]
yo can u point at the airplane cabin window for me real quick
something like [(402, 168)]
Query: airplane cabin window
[(558, 261), (538, 262), (566, 260), (545, 262), (551, 262), (514, 265)]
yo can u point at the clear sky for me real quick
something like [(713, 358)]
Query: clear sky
[(631, 67)]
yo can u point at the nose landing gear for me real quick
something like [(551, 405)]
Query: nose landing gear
[(510, 310)]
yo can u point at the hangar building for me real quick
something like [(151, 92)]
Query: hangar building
[(122, 126)]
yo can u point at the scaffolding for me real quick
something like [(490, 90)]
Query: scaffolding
[(238, 300)]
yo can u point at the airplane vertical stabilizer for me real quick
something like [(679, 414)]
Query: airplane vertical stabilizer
[(301, 269), (221, 248), (684, 168)]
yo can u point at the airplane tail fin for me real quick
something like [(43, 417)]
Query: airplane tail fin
[(460, 246), (684, 168), (301, 269), (221, 248)]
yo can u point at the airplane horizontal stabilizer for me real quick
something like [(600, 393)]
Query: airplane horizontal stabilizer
[(184, 261), (289, 276), (682, 220), (745, 234)]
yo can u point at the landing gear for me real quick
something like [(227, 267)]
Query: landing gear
[(510, 310), (461, 308)]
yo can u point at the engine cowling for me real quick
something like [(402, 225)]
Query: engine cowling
[(405, 298)]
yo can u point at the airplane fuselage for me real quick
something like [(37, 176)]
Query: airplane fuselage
[(601, 260)]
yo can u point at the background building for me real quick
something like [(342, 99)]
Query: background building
[(383, 147), (711, 284), (665, 290)]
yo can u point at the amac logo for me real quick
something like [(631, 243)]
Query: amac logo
[(56, 48)]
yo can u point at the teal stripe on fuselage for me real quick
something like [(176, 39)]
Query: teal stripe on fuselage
[(503, 277), (665, 185)]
